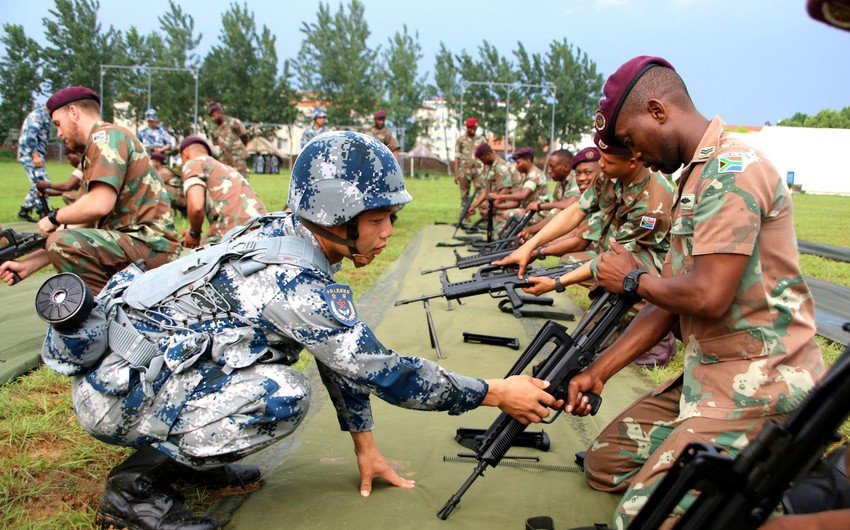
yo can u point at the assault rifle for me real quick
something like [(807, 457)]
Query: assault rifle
[(494, 281), (569, 357), (740, 493), (508, 237), (15, 245)]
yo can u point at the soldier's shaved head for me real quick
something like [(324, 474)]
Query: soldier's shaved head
[(658, 83)]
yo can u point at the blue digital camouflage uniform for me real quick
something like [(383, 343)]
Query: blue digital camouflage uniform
[(312, 132), (35, 132), (156, 137), (225, 389)]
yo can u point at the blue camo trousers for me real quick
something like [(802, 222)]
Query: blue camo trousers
[(202, 416), (35, 174)]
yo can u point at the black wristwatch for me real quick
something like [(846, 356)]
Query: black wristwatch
[(559, 287), (632, 281), (52, 217), (194, 234)]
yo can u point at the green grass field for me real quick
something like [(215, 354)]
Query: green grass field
[(51, 472)]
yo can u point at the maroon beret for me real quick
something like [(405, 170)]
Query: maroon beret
[(617, 89), (69, 95), (379, 115), (524, 152), (588, 154), (472, 122), (482, 148), (833, 12), (194, 140), (213, 108), (158, 156), (611, 149)]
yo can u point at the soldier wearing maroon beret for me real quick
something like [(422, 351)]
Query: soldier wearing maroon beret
[(836, 13), (730, 285), (529, 184), (380, 131), (467, 167), (123, 216)]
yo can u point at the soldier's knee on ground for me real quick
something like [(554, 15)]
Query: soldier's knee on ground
[(599, 471)]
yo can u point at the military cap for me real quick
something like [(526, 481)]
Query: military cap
[(380, 115), (472, 122), (215, 107), (161, 157), (611, 149), (833, 12), (150, 115), (194, 140), (616, 90), (588, 154), (482, 148), (319, 112), (69, 95), (524, 152)]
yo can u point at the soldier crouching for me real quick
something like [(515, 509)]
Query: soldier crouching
[(190, 362)]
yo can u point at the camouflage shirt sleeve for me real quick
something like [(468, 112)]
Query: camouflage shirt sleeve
[(589, 200), (194, 175), (239, 128), (356, 364), (106, 159)]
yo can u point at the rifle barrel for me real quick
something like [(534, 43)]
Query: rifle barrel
[(418, 298)]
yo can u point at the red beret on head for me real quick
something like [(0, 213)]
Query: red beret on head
[(524, 152), (588, 154), (472, 122), (833, 12), (379, 115), (157, 156), (69, 95), (213, 108), (611, 149), (617, 89), (194, 140), (482, 148)]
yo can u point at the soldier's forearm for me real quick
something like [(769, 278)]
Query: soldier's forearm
[(564, 222)]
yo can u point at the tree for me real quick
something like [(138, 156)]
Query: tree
[(78, 47), (827, 118), (447, 86), (19, 77), (403, 88), (336, 66), (485, 102)]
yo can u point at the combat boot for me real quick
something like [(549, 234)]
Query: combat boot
[(229, 475), (24, 215), (137, 497)]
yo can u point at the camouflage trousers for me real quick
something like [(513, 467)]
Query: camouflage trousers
[(636, 449), (95, 255), (202, 416), (32, 201)]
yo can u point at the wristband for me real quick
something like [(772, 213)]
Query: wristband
[(194, 234), (52, 217), (559, 287)]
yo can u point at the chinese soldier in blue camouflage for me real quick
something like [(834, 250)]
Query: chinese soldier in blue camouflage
[(154, 136), (319, 118), (208, 378), (32, 154)]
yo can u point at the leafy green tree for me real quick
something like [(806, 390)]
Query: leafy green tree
[(447, 86), (78, 47), (336, 66), (19, 77), (827, 118), (404, 89)]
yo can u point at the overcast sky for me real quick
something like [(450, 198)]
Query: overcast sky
[(749, 61)]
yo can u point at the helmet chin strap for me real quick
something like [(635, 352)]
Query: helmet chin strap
[(359, 260)]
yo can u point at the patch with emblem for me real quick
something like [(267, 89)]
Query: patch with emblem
[(647, 222), (705, 152), (600, 121), (735, 162), (341, 303), (99, 137), (687, 201)]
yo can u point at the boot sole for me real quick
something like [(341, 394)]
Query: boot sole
[(104, 521)]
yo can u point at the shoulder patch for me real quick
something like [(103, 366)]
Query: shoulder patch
[(341, 303), (705, 152), (687, 201), (99, 137), (647, 222), (736, 161)]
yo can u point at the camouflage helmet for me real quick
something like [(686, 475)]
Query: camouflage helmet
[(318, 112), (340, 174), (150, 115)]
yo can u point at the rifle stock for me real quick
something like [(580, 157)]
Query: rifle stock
[(569, 357), (18, 245)]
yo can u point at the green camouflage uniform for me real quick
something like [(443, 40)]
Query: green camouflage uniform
[(535, 180), (468, 167), (754, 363), (229, 200), (174, 186), (567, 188), (228, 137), (139, 227), (385, 135)]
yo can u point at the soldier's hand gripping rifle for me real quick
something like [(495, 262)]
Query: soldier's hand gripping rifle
[(740, 493), (499, 282), (569, 357), (508, 238), (14, 245)]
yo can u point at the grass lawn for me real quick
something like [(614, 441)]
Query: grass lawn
[(51, 472)]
